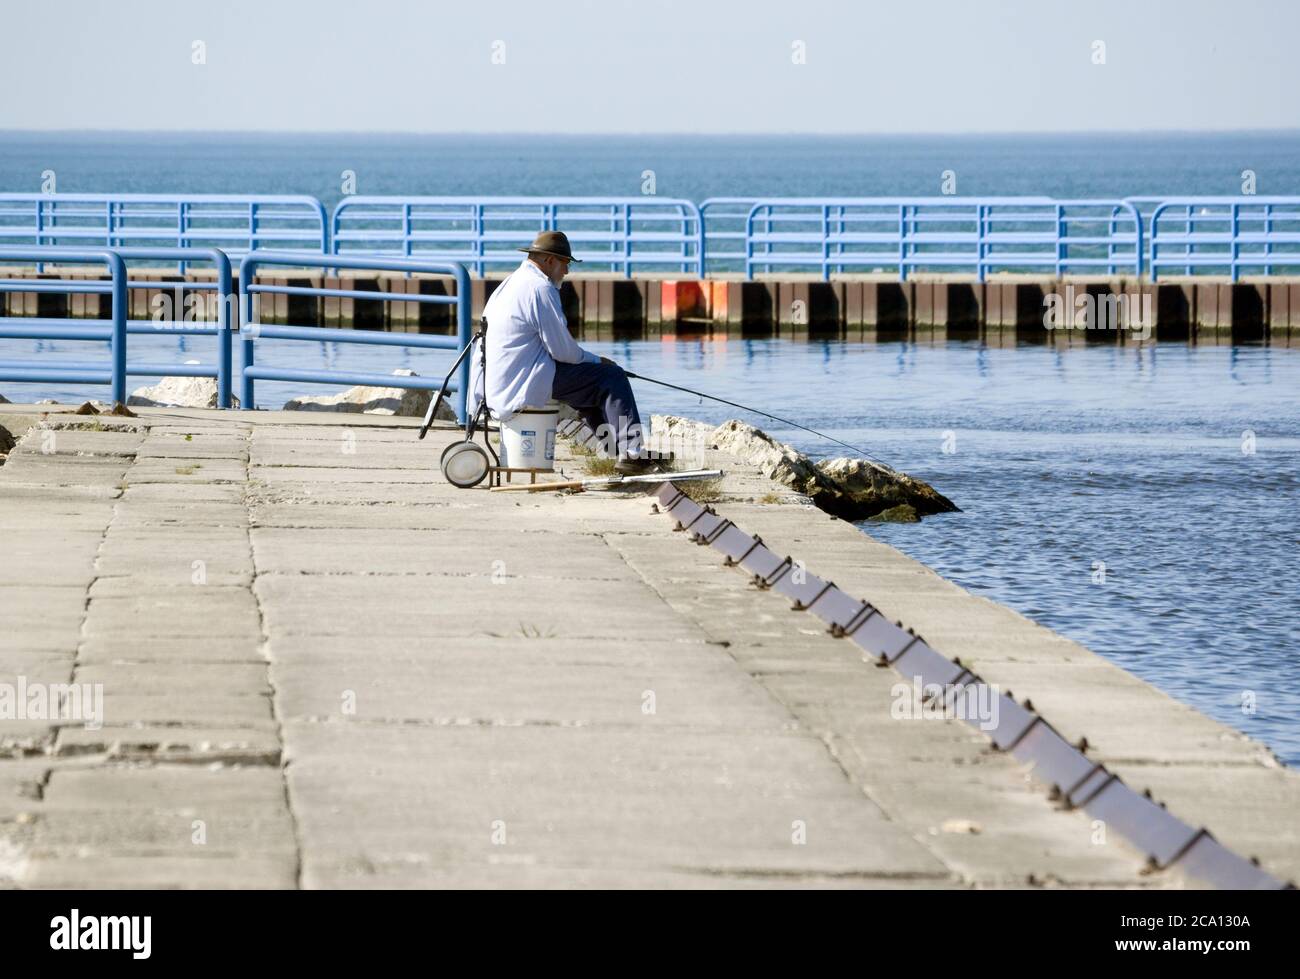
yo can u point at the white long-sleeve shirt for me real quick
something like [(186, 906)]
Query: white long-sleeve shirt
[(526, 335)]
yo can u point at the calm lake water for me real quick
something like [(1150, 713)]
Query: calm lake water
[(696, 167), (1176, 467)]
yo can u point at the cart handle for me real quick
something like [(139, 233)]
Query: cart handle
[(442, 391)]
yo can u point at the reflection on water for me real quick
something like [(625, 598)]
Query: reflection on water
[(1139, 500)]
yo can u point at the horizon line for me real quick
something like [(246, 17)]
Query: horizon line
[(654, 133)]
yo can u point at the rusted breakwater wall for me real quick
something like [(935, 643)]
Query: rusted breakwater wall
[(1006, 308)]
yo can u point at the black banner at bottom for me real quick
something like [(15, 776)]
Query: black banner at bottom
[(203, 929)]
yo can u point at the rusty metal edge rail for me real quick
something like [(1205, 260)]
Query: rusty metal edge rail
[(1076, 782)]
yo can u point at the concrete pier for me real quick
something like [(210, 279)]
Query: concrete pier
[(323, 666), (1002, 310)]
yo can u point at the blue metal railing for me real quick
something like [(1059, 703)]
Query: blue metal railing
[(1225, 234), (36, 328), (975, 236), (189, 318), (723, 235), (235, 223), (119, 327), (623, 235), (252, 328), (724, 221)]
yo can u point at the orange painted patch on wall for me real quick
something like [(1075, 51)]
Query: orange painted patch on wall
[(683, 297)]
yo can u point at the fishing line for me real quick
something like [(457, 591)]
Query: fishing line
[(765, 414)]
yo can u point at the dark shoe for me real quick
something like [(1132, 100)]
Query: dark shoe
[(637, 466)]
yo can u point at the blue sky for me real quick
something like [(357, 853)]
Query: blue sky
[(653, 66)]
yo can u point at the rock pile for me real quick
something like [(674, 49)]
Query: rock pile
[(854, 489)]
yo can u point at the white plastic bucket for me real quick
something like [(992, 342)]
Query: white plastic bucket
[(528, 439)]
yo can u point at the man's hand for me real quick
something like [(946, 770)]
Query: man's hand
[(606, 360)]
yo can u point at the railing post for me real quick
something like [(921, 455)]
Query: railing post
[(1111, 229), (324, 227), (1235, 224), (117, 267), (1137, 239), (627, 239), (684, 246), (701, 240), (749, 243), (40, 207), (247, 333), (902, 242), (839, 244), (1151, 254), (224, 341), (1268, 234), (826, 242), (768, 231), (613, 244), (1060, 239), (478, 239)]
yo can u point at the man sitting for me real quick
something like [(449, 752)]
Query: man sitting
[(532, 358)]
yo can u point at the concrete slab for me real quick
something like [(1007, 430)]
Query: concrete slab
[(426, 516), (135, 512), (324, 476), (153, 872), (700, 688), (208, 556), (571, 797), (157, 469), (416, 608), (505, 556), (49, 554), (132, 647), (187, 445), (53, 513), (84, 472), (186, 490), (347, 452), (35, 615), (118, 607), (122, 825), (49, 440)]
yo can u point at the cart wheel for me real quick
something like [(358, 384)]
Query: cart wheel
[(465, 464), (449, 446)]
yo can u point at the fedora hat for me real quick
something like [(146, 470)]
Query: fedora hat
[(552, 243)]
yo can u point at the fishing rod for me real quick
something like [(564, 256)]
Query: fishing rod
[(765, 414), (582, 484)]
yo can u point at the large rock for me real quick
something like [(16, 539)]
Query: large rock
[(368, 400), (7, 442), (4, 400), (855, 489), (178, 392), (863, 484)]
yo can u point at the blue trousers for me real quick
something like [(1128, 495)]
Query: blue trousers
[(602, 396)]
